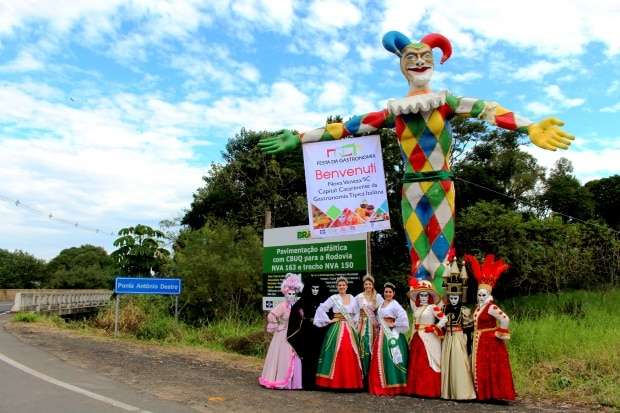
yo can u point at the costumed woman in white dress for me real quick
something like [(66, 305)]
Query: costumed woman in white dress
[(339, 363), (368, 300), (282, 369), (388, 368)]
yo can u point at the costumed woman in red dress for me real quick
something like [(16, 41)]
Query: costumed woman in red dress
[(339, 363), (424, 371), (490, 362)]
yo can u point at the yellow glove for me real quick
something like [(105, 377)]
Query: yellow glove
[(546, 134)]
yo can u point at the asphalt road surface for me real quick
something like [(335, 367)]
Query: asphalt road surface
[(34, 381), (5, 306)]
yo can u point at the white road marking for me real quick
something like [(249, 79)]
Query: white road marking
[(6, 312), (71, 387)]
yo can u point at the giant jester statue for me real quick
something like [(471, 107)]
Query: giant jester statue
[(422, 123)]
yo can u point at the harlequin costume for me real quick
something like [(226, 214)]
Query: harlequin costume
[(490, 362), (339, 364), (367, 325), (306, 338), (282, 368), (388, 368), (424, 367)]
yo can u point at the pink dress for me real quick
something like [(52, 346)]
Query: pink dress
[(282, 369)]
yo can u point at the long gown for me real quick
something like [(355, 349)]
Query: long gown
[(424, 371), (456, 378), (303, 335), (490, 362), (367, 327), (388, 368), (282, 368), (339, 363)]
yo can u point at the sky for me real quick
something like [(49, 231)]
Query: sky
[(111, 111)]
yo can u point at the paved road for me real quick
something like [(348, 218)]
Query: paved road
[(34, 381), (5, 306)]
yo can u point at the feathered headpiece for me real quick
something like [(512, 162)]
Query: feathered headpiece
[(396, 42), (292, 282), (489, 272)]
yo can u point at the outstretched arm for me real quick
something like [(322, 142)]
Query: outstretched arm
[(545, 134), (358, 125)]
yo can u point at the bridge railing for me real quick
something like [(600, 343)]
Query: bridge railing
[(61, 302)]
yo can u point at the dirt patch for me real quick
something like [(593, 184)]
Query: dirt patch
[(212, 381)]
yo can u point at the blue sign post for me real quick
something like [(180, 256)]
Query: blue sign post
[(133, 285)]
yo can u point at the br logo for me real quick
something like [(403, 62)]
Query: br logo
[(303, 234)]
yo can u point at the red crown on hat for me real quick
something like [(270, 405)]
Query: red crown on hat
[(489, 272)]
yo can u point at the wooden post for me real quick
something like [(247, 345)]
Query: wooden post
[(268, 218), (116, 316)]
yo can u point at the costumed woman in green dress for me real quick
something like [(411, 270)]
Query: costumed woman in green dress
[(388, 368)]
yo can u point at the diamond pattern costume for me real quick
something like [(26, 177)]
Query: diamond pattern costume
[(425, 140)]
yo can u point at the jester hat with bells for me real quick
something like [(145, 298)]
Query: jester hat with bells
[(489, 272)]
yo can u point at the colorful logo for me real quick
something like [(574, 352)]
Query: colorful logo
[(343, 151)]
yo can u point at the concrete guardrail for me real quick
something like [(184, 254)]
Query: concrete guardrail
[(61, 301)]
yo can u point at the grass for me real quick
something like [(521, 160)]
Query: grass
[(567, 347)]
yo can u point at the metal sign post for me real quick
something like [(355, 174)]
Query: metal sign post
[(159, 286)]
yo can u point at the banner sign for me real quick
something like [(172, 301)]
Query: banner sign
[(291, 249), (345, 183)]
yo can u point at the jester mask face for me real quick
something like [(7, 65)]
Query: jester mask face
[(291, 296), (417, 65)]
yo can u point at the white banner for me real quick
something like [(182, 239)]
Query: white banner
[(346, 187)]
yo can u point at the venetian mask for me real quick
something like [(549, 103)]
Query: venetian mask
[(315, 290), (423, 296), (454, 299), (291, 296), (483, 294)]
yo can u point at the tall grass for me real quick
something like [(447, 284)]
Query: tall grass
[(567, 346)]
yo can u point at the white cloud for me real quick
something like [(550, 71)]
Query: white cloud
[(613, 87), (611, 108), (23, 62), (554, 28), (466, 77), (588, 159), (332, 95), (282, 106), (539, 108), (332, 14), (538, 70), (555, 93)]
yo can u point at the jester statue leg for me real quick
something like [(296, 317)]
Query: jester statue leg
[(428, 219)]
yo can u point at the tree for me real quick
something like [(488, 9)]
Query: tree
[(221, 268), (140, 250), (495, 162), (606, 194), (19, 269), (564, 194), (81, 267), (248, 183)]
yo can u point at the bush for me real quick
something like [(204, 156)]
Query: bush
[(130, 317), (161, 329), (27, 317)]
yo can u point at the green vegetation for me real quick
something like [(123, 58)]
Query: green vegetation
[(567, 346), (27, 317)]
